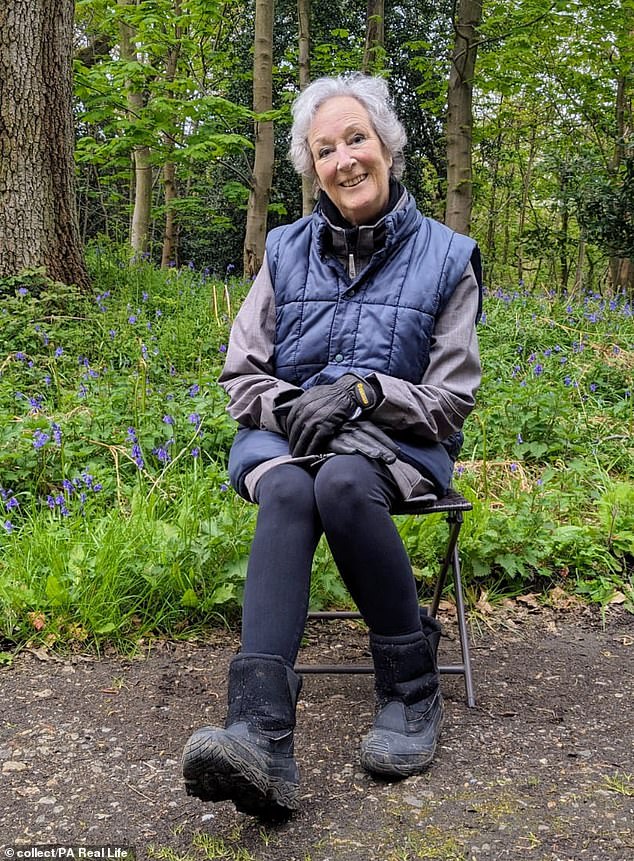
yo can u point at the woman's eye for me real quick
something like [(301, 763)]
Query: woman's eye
[(358, 138), (324, 152)]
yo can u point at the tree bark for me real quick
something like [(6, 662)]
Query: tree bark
[(622, 268), (374, 37), (141, 155), (303, 18), (170, 186), (263, 164), (460, 117), (38, 211)]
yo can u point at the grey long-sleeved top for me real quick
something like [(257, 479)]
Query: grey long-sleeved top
[(433, 409)]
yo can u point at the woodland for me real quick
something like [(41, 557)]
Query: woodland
[(143, 158)]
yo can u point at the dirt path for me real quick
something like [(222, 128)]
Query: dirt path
[(542, 769)]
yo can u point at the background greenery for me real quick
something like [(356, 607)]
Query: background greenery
[(117, 520)]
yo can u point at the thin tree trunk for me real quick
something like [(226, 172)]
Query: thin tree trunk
[(38, 211), (263, 164), (141, 155), (170, 187), (374, 37), (303, 17), (622, 268), (460, 117)]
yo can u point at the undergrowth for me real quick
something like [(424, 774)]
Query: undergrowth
[(118, 524)]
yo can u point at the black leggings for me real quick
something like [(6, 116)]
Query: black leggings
[(348, 498)]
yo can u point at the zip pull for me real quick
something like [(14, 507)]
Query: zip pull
[(352, 269)]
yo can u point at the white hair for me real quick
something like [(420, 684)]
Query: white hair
[(371, 92)]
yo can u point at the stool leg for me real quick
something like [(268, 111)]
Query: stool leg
[(462, 627)]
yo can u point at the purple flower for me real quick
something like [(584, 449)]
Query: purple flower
[(8, 526), (162, 454), (68, 486), (537, 370), (145, 296), (132, 319), (193, 390), (519, 439), (57, 433), (195, 452), (222, 348), (11, 503), (193, 419), (113, 334), (132, 434), (137, 455), (20, 356), (224, 487), (59, 352), (513, 467), (40, 439), (22, 291), (168, 420)]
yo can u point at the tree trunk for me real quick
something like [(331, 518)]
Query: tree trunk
[(460, 117), (303, 17), (141, 155), (38, 210), (170, 187), (263, 164), (374, 37), (622, 268)]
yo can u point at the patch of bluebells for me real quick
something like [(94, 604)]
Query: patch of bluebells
[(77, 488)]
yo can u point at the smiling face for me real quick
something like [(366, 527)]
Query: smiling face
[(351, 163)]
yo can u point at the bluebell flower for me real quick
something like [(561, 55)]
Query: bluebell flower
[(168, 420), (137, 455), (8, 526), (12, 503), (193, 390), (194, 418), (59, 352), (195, 452), (22, 291), (40, 439)]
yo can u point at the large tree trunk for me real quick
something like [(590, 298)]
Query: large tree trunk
[(141, 155), (263, 164), (303, 18), (38, 215), (460, 117), (374, 37)]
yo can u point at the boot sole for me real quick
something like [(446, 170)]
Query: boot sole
[(216, 768), (377, 758)]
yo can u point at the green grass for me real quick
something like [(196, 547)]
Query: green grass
[(118, 524)]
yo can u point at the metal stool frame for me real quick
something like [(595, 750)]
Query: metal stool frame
[(453, 505)]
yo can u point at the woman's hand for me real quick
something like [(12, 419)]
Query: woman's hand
[(363, 438), (317, 414)]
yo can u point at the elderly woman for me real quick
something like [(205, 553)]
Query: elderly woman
[(351, 368)]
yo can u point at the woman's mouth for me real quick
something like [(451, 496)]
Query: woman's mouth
[(350, 183)]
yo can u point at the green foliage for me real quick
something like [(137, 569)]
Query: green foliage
[(118, 523)]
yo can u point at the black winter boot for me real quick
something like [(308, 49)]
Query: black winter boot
[(251, 760), (409, 715)]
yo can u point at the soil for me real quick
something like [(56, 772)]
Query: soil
[(541, 769)]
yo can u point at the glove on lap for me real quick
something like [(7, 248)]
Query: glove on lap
[(319, 412), (363, 437)]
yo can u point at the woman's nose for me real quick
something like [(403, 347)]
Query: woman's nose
[(345, 159)]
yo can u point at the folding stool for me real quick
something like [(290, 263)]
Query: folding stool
[(453, 505)]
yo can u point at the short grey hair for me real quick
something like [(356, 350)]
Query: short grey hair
[(371, 92)]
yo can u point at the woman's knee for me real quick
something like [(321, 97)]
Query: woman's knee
[(349, 483), (286, 486)]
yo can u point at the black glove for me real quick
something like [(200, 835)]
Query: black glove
[(363, 437), (320, 411)]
